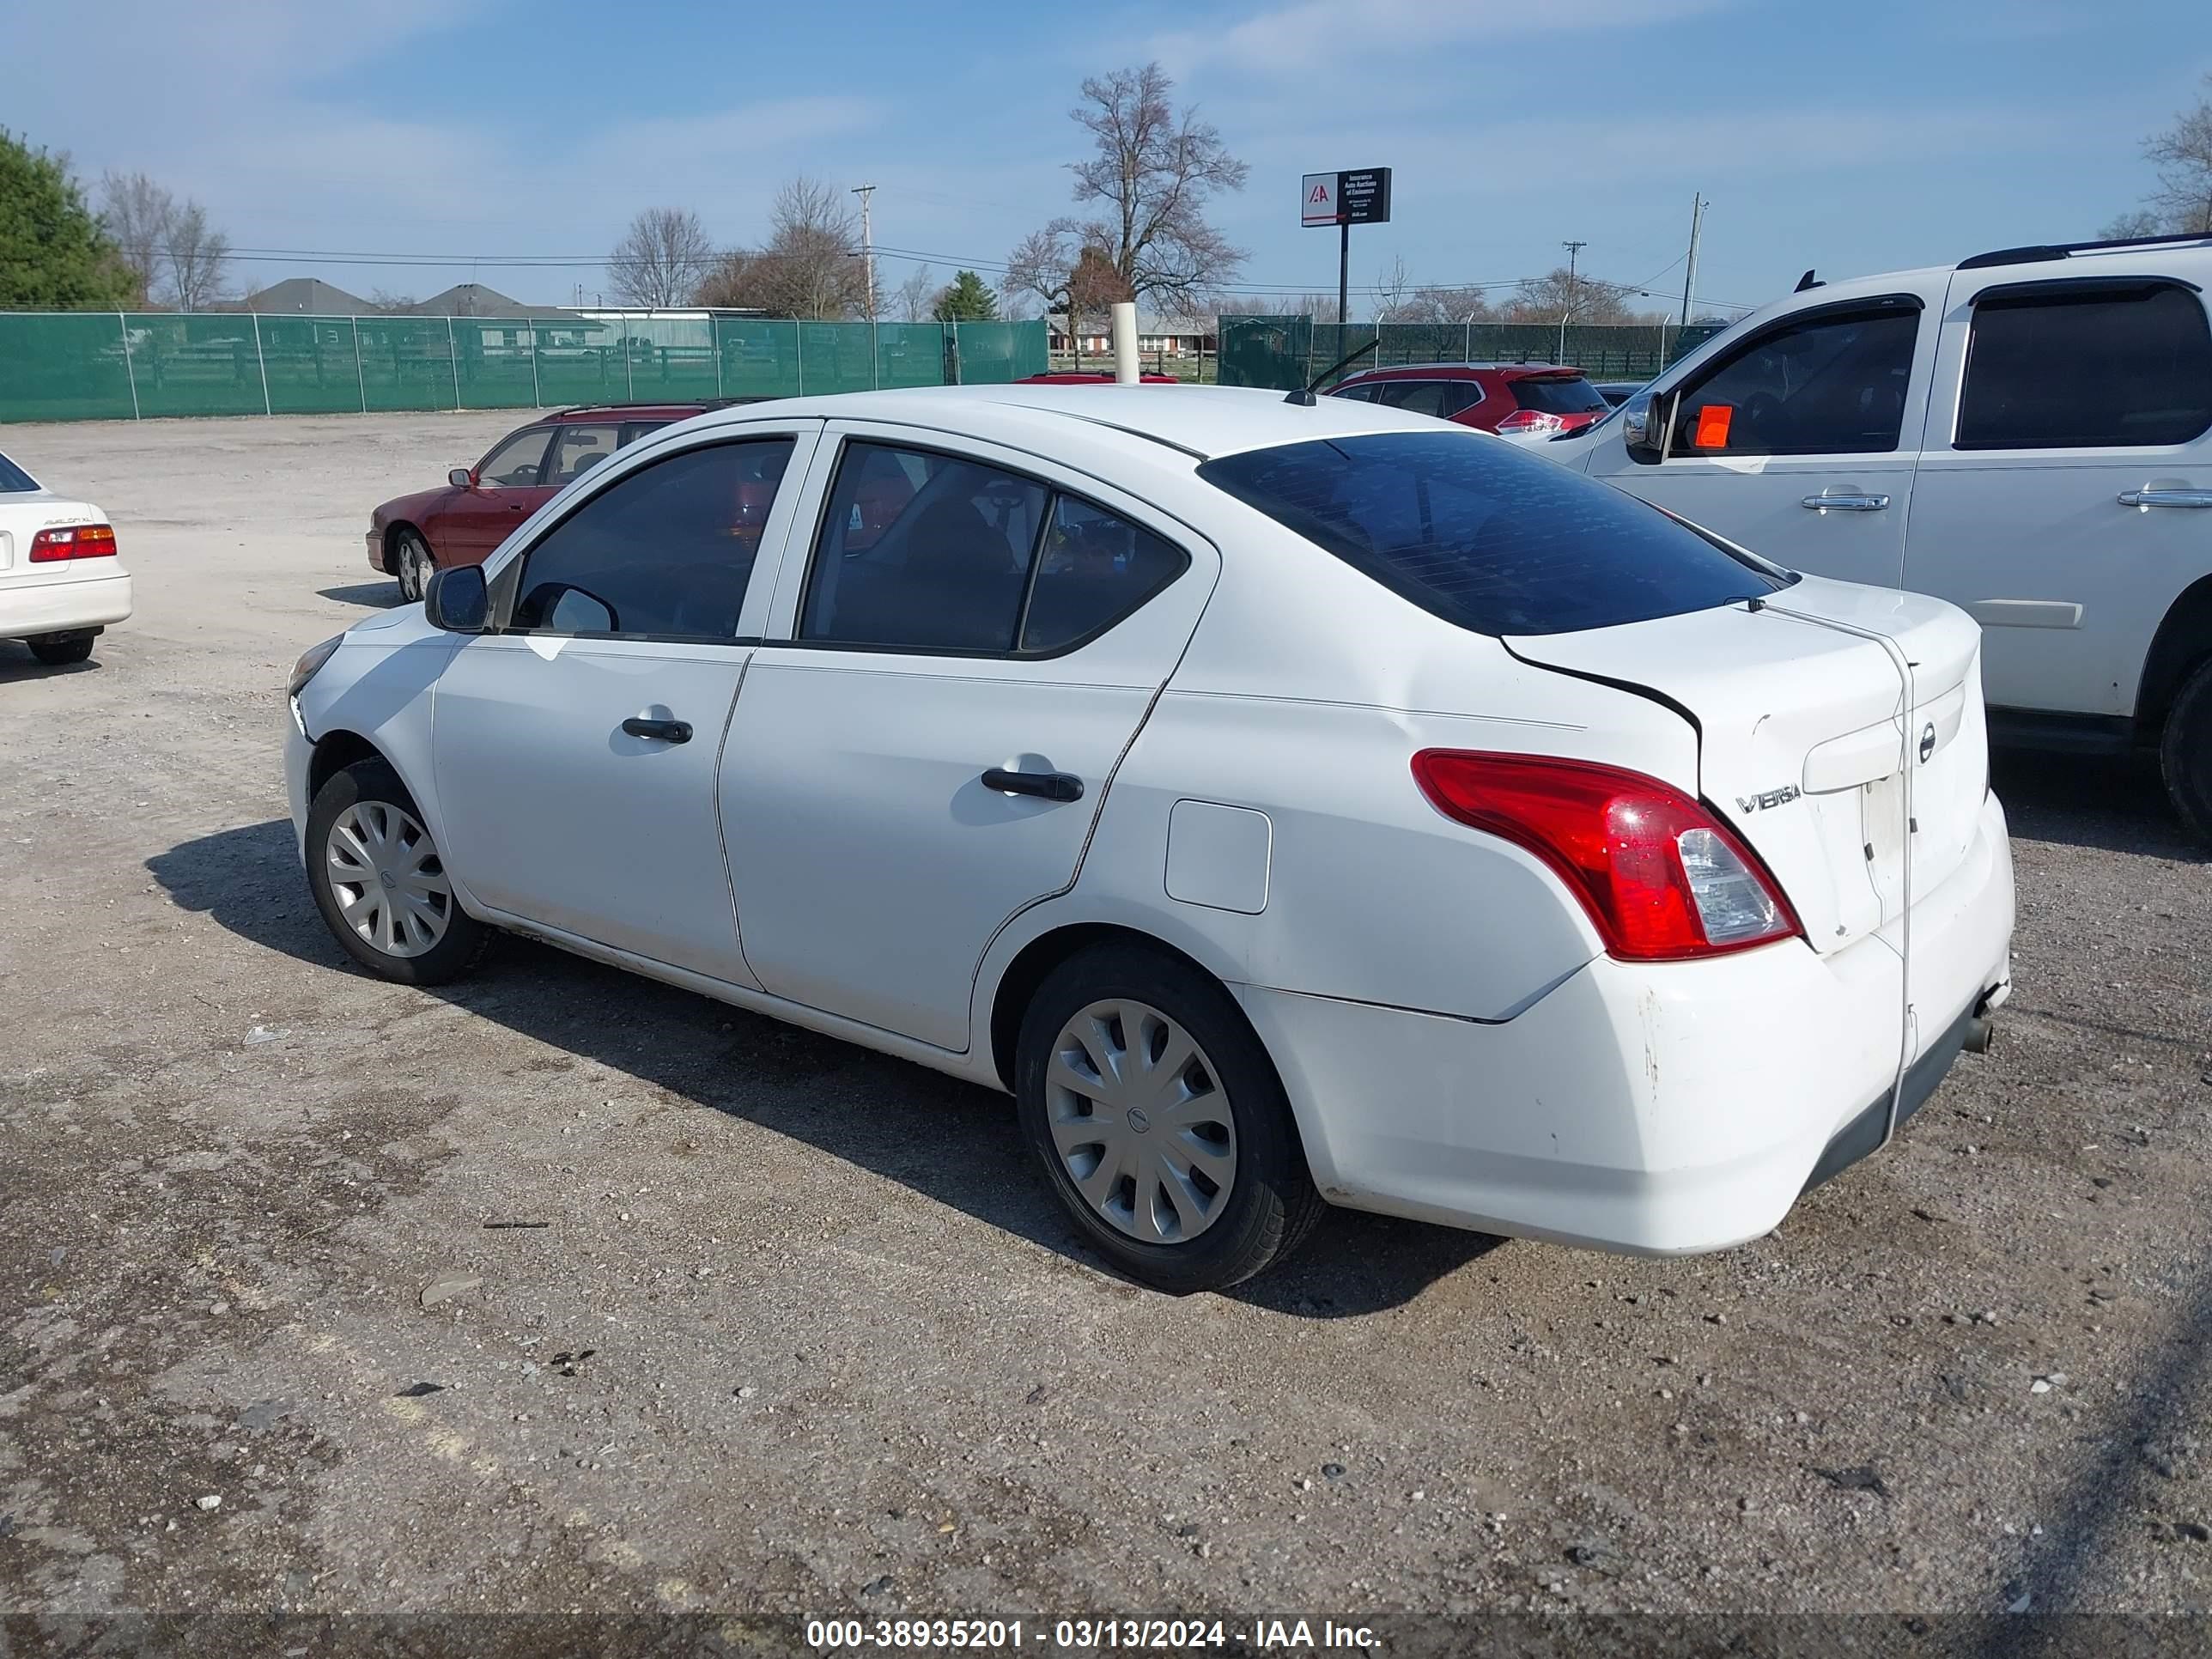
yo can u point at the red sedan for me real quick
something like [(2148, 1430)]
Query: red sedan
[(1536, 398), (477, 507)]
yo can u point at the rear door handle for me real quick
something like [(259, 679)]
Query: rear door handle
[(1844, 502), (2165, 498), (1051, 786), (660, 731)]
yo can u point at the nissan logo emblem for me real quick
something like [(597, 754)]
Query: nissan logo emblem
[(1926, 742)]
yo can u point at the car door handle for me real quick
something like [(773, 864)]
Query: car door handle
[(2165, 498), (1844, 502), (1051, 786), (661, 731)]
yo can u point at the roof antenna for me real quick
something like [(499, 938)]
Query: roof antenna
[(1808, 281), (1303, 397)]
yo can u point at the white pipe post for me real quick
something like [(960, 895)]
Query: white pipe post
[(1126, 366), (453, 356), (263, 362), (359, 379), (536, 398), (128, 367)]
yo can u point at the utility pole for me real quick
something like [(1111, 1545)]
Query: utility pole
[(866, 194), (1690, 277), (1568, 309)]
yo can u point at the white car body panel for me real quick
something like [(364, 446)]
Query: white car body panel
[(63, 595), (1454, 1039)]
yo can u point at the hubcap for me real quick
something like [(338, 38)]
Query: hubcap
[(384, 872), (1141, 1122)]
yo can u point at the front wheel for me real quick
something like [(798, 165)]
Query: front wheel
[(2185, 753), (1160, 1121), (381, 884)]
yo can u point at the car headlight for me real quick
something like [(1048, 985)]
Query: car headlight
[(311, 660)]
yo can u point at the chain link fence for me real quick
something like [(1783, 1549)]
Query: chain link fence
[(95, 366), (1285, 352)]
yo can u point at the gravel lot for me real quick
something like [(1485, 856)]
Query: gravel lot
[(792, 1328)]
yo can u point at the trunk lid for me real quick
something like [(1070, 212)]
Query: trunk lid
[(1812, 712), (23, 513)]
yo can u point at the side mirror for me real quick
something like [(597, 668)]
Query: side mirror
[(458, 600), (462, 477), (1644, 425)]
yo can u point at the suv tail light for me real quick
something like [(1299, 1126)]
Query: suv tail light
[(76, 541), (1531, 420), (1661, 877)]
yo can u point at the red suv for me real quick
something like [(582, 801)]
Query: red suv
[(479, 506), (1536, 398)]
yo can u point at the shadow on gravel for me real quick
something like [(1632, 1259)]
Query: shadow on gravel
[(379, 596), (16, 663), (948, 1140), (2111, 803)]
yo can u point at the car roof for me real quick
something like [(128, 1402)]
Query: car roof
[(1463, 372), (679, 411), (1197, 421)]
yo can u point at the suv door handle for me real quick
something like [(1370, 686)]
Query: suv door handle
[(660, 731), (1844, 502), (2165, 498), (1051, 786)]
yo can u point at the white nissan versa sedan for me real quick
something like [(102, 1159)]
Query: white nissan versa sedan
[(1288, 802)]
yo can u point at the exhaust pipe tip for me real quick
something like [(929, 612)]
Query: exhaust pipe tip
[(1981, 1032)]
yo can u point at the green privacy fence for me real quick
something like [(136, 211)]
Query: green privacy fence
[(89, 366), (1288, 352)]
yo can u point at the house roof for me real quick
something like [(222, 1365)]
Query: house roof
[(308, 295), (473, 300)]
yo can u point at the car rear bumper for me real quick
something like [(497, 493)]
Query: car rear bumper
[(1655, 1108), (31, 608)]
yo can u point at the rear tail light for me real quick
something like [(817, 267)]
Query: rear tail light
[(76, 541), (1532, 421), (1661, 877)]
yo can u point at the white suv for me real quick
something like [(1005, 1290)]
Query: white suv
[(2027, 434)]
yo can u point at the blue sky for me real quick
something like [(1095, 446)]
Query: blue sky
[(1881, 135)]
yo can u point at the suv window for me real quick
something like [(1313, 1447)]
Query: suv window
[(1559, 396), (577, 449), (1832, 384), (923, 551), (1362, 393), (1465, 395), (666, 549), (1483, 535), (1415, 396), (2098, 367), (518, 462)]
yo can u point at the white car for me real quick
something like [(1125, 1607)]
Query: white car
[(61, 581), (1290, 803), (2027, 434)]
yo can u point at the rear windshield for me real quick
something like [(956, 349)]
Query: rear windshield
[(13, 479), (1576, 397), (1481, 534)]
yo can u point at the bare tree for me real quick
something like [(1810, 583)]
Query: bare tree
[(2182, 155), (1443, 305), (1565, 297), (2141, 222), (385, 301), (916, 299), (813, 253), (1153, 174), (1392, 284), (199, 259), (737, 281), (134, 211), (661, 260)]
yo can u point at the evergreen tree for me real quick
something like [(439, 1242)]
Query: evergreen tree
[(965, 299), (57, 257)]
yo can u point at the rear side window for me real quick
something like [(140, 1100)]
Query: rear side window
[(1474, 531), (2099, 367), (1575, 397), (666, 549), (1832, 385), (1415, 396), (13, 479)]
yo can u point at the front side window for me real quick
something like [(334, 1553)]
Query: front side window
[(517, 463), (923, 551), (1834, 385), (2100, 365), (1487, 537), (666, 549)]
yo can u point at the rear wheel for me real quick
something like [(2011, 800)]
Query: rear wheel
[(412, 564), (381, 884), (2185, 753), (1160, 1121), (59, 650)]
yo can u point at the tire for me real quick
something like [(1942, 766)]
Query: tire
[(2185, 753), (1178, 1236), (412, 564), (408, 927), (61, 652)]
